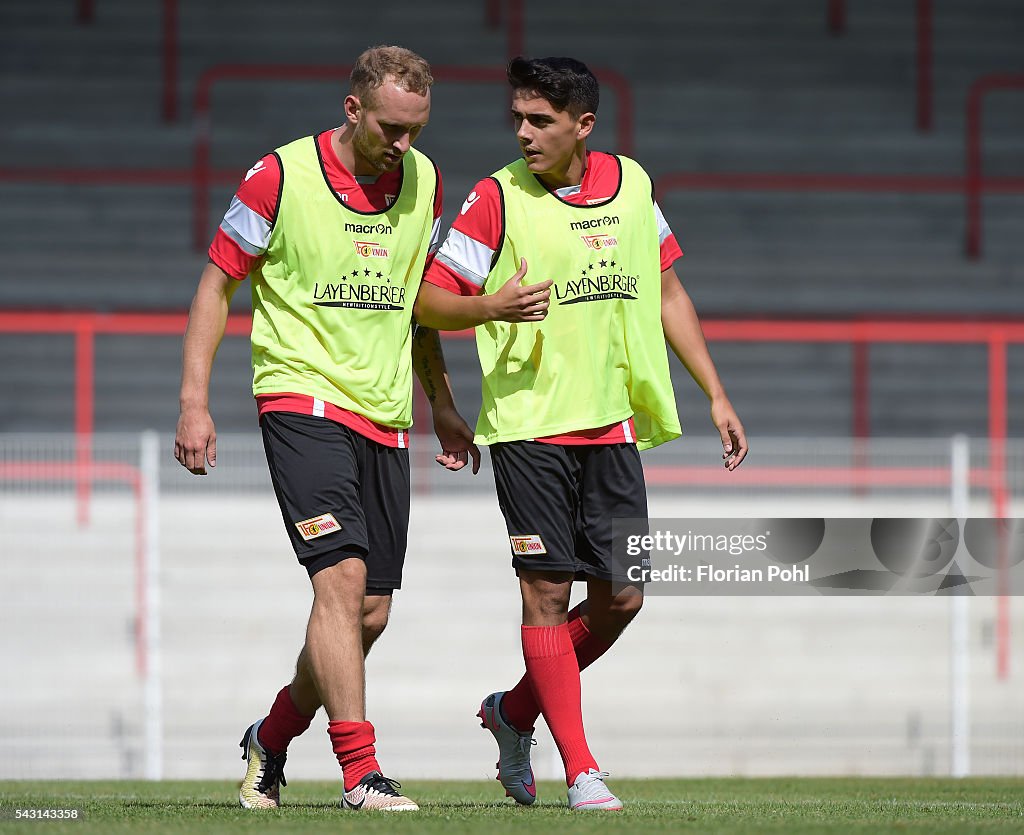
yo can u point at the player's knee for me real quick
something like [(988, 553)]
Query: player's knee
[(374, 624), (341, 584), (376, 610)]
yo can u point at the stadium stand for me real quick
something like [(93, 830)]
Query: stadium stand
[(741, 686), (749, 87)]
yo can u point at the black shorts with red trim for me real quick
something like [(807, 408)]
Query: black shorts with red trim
[(559, 503), (341, 495)]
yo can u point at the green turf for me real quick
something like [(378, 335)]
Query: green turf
[(733, 805)]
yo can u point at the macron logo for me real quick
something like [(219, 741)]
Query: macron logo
[(468, 204), (256, 169)]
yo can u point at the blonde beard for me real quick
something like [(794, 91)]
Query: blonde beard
[(361, 143)]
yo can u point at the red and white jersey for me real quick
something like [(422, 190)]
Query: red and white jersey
[(243, 236), (464, 259), (245, 231)]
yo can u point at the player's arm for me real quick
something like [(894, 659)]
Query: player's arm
[(452, 294), (195, 441), (452, 431), (444, 310), (683, 332)]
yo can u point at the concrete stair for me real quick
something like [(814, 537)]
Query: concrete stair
[(754, 86)]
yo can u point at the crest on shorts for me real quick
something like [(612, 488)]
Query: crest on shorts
[(320, 525), (526, 545)]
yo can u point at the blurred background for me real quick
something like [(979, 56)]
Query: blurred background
[(847, 182)]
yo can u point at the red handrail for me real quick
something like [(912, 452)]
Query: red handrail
[(327, 72), (996, 334), (200, 176), (975, 181)]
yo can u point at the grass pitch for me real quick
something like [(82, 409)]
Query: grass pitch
[(712, 805)]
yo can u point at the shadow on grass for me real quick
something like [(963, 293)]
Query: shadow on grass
[(437, 806)]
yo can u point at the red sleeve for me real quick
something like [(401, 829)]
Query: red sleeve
[(464, 260), (479, 215), (438, 195), (670, 252), (443, 276), (258, 194)]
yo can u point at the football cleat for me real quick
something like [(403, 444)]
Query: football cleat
[(514, 770), (375, 792), (590, 792), (264, 776)]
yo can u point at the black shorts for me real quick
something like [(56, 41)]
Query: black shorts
[(559, 503), (341, 495)]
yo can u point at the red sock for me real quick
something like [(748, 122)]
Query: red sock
[(283, 723), (353, 746), (519, 706), (555, 677)]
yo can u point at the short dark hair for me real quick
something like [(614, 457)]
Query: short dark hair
[(565, 82)]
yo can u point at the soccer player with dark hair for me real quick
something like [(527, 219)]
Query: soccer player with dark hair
[(575, 381), (335, 230)]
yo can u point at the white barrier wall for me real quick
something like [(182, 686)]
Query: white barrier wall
[(698, 685)]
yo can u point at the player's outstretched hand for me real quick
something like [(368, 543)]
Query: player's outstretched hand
[(734, 440), (516, 303), (195, 441), (456, 439)]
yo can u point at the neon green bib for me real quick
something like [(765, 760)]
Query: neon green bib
[(599, 356), (332, 300)]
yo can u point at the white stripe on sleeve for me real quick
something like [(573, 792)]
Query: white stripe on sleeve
[(469, 258), (435, 235), (246, 228), (663, 230)]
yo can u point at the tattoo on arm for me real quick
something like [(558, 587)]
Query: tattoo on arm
[(428, 360)]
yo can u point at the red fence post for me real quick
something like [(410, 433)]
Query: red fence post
[(516, 24), (836, 17), (624, 102), (492, 13), (201, 162), (861, 405), (861, 389), (85, 339), (972, 190), (997, 424), (86, 11), (170, 60), (924, 65)]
